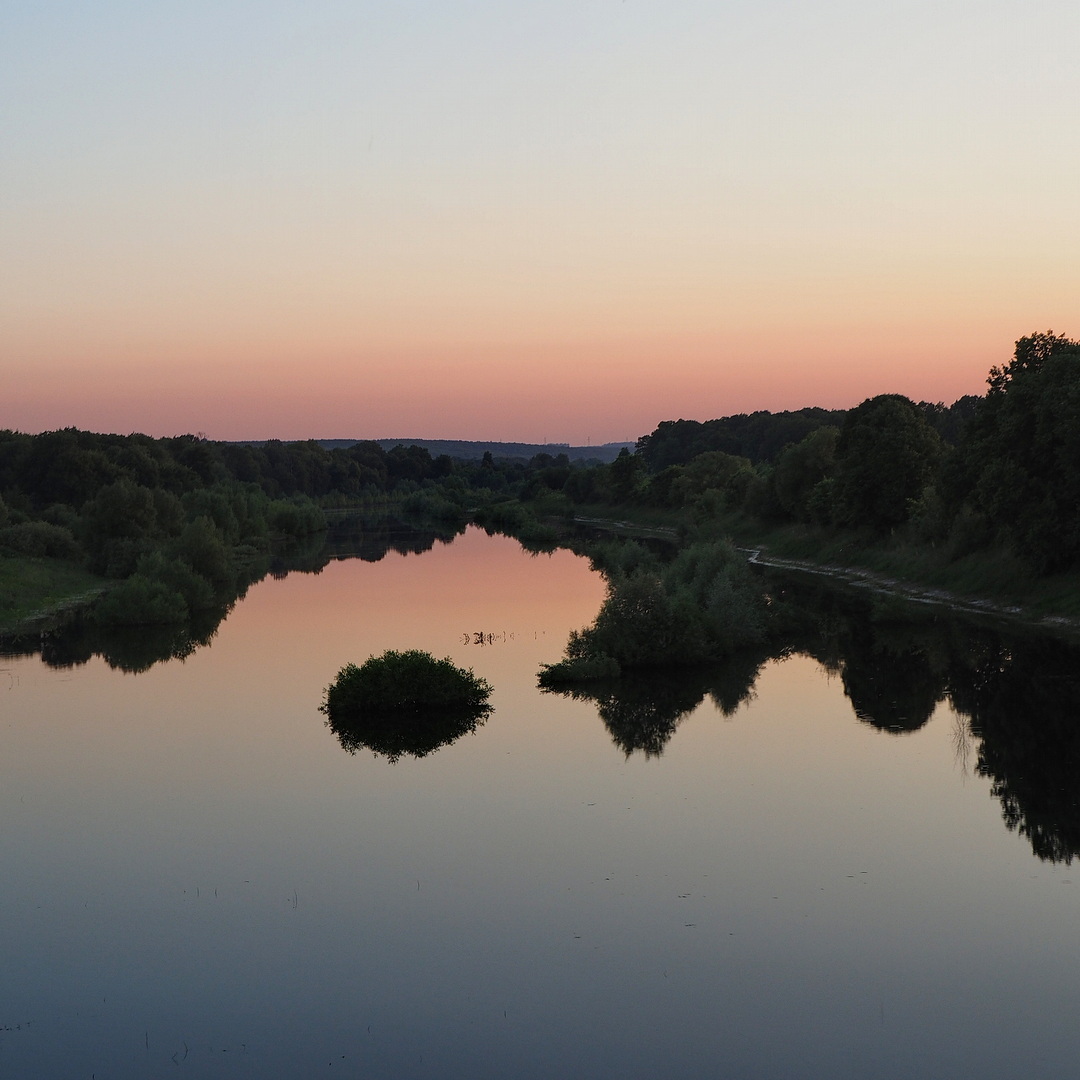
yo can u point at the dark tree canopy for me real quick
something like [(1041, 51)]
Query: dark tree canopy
[(1018, 466), (886, 454)]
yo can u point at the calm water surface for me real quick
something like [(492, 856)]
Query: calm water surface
[(198, 880)]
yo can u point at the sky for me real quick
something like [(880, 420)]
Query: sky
[(527, 221)]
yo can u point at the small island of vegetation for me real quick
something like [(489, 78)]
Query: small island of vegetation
[(404, 703)]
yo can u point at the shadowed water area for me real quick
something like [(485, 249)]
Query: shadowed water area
[(848, 855)]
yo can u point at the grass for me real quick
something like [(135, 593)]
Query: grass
[(33, 589), (990, 574)]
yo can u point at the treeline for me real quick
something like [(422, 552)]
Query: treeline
[(166, 517), (69, 467), (761, 436), (178, 518), (182, 521), (1000, 473)]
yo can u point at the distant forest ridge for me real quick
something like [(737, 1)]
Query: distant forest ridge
[(468, 451)]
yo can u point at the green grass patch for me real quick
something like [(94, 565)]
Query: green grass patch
[(33, 589)]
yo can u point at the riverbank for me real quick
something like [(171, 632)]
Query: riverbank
[(33, 591), (986, 583)]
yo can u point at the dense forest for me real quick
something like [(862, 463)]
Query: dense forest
[(174, 526)]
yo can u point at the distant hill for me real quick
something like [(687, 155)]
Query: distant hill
[(475, 450)]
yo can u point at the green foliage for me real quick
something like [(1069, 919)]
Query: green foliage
[(643, 624), (518, 520), (141, 601), (1018, 466), (885, 456), (433, 505), (1030, 354), (295, 517), (202, 547), (118, 525), (714, 581), (404, 683), (617, 558), (759, 436), (61, 514), (701, 606), (626, 476), (716, 471), (39, 538), (216, 506), (800, 468), (552, 504), (404, 703), (177, 575)]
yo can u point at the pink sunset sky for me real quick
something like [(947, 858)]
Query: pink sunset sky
[(540, 221)]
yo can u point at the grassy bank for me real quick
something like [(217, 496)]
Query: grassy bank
[(34, 589), (991, 574)]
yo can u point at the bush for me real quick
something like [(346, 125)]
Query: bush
[(295, 517), (203, 548), (433, 505), (702, 606), (197, 592), (404, 703), (141, 601), (39, 538), (404, 682), (580, 669)]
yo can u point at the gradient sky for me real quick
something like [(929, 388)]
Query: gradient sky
[(539, 221)]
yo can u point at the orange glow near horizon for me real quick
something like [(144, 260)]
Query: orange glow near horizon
[(562, 225), (568, 391)]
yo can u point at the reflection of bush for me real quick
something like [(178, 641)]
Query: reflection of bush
[(892, 690), (370, 537), (126, 648), (404, 703), (418, 733), (642, 709)]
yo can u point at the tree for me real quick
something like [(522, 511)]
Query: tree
[(886, 455), (626, 475), (1018, 465), (800, 468)]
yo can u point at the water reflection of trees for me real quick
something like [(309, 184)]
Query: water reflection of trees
[(78, 638), (419, 733), (642, 710), (1023, 704), (1016, 693)]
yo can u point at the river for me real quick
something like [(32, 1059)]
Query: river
[(852, 859)]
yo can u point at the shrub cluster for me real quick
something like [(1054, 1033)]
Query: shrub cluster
[(404, 703), (701, 606), (404, 683)]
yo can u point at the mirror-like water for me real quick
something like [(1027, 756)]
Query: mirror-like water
[(198, 879)]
